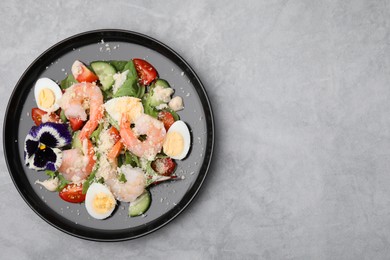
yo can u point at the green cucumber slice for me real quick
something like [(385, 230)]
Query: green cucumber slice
[(76, 143), (63, 117), (140, 205), (105, 72)]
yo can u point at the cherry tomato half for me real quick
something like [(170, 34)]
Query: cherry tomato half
[(167, 119), (72, 193), (145, 71), (82, 74), (76, 123), (37, 114), (164, 166)]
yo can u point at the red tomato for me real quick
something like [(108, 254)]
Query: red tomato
[(145, 71), (82, 74), (167, 118), (76, 123), (114, 133), (164, 166), (37, 114), (72, 193)]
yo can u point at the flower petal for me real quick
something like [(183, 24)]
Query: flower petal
[(54, 135), (46, 159), (48, 139), (30, 147), (33, 132)]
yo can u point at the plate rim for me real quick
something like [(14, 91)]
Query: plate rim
[(210, 127)]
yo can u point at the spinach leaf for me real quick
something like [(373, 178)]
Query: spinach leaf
[(132, 71), (67, 82), (129, 88), (119, 65), (131, 159), (107, 94)]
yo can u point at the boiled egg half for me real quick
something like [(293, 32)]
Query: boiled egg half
[(177, 141), (99, 201), (124, 105), (47, 94)]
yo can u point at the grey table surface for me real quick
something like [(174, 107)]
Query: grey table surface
[(300, 92)]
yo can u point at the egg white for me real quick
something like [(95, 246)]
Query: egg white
[(181, 128), (93, 190), (43, 83)]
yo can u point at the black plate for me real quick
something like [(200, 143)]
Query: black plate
[(168, 199)]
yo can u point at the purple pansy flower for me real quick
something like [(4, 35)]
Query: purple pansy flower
[(41, 148)]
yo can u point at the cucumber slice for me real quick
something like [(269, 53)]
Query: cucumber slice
[(76, 143), (140, 205), (162, 83), (105, 72), (63, 117)]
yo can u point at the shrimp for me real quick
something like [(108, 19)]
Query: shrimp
[(80, 97), (143, 125), (133, 187), (77, 164)]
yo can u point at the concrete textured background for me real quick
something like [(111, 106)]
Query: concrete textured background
[(300, 92)]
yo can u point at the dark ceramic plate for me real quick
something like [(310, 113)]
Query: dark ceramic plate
[(168, 199)]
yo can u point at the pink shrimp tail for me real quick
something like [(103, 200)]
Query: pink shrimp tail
[(124, 132)]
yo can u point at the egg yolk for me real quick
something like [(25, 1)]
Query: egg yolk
[(173, 144), (103, 203), (46, 98)]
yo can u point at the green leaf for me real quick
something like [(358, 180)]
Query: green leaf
[(122, 178), (131, 159), (119, 65), (150, 173), (112, 121), (107, 94), (62, 182), (132, 70), (68, 81), (141, 91), (51, 174), (121, 160), (88, 181), (96, 133), (101, 180), (129, 88)]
